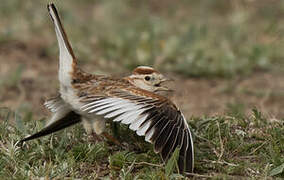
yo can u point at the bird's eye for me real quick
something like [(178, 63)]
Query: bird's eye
[(147, 78)]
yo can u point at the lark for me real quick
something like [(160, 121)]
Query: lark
[(133, 100)]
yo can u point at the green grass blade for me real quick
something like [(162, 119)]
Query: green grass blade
[(172, 162), (277, 170)]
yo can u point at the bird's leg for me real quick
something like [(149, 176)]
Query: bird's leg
[(99, 127), (115, 130), (96, 138), (111, 139)]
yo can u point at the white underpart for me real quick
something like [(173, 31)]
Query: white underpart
[(65, 58), (87, 124)]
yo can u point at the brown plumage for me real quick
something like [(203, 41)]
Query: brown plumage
[(132, 100)]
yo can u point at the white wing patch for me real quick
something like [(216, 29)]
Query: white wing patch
[(121, 110), (132, 116), (98, 103), (135, 125), (143, 129), (127, 117), (115, 113)]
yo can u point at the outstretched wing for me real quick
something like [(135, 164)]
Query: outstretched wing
[(154, 117)]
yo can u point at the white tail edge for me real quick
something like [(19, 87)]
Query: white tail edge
[(67, 60)]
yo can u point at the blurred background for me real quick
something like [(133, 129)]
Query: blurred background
[(226, 56)]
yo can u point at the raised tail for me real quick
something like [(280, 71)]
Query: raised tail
[(67, 58)]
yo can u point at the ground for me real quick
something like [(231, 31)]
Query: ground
[(226, 59)]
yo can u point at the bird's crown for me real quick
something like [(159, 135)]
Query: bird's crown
[(143, 70)]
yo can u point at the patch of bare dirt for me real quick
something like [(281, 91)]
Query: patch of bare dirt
[(263, 91)]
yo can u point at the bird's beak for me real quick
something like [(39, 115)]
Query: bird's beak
[(163, 80), (163, 88), (166, 79)]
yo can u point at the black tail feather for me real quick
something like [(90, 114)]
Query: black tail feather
[(70, 119)]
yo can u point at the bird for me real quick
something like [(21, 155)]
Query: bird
[(133, 100)]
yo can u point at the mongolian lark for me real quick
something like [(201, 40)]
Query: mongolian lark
[(132, 100)]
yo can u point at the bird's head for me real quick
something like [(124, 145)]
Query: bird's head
[(149, 79)]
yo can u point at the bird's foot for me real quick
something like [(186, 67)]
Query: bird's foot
[(112, 139), (95, 138)]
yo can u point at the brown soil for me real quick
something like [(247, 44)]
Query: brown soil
[(195, 96)]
